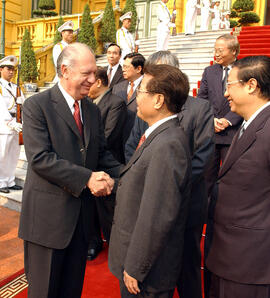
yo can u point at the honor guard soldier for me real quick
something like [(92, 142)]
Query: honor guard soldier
[(66, 31), (124, 38), (9, 127), (163, 28)]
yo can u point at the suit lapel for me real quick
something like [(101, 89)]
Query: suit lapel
[(116, 75), (87, 127), (239, 146), (63, 110), (148, 141)]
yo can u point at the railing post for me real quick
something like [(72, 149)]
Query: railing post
[(2, 47)]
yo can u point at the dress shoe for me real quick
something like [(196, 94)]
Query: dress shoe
[(15, 187), (93, 252), (4, 190)]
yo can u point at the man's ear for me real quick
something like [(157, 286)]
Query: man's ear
[(99, 83), (64, 71), (158, 101), (139, 69), (252, 85)]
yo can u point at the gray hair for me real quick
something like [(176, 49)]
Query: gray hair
[(232, 43), (70, 54), (163, 57)]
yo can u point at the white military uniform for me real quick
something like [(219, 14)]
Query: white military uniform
[(58, 48), (126, 42), (9, 140), (205, 15), (191, 14), (163, 28), (217, 19)]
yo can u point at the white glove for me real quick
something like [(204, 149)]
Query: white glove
[(174, 12), (171, 25), (15, 125), (198, 5), (137, 42)]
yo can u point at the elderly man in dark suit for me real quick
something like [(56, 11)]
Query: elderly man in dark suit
[(196, 119), (113, 114), (133, 73), (65, 147), (239, 255), (114, 69), (152, 199)]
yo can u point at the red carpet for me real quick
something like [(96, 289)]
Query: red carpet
[(98, 282)]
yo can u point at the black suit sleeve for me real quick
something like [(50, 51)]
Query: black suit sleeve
[(204, 140)]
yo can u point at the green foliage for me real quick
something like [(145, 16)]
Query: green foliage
[(248, 18), (29, 71), (87, 34), (108, 30), (46, 4), (233, 14), (243, 5), (130, 6), (233, 23), (57, 35)]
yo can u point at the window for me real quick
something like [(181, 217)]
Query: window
[(65, 7)]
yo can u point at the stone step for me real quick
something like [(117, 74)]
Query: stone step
[(12, 200)]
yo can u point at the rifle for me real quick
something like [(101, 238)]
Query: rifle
[(19, 105), (137, 35), (174, 18)]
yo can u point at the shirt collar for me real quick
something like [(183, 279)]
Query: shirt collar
[(247, 123), (69, 99), (157, 124)]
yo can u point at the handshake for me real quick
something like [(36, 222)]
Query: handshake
[(100, 184), (15, 125)]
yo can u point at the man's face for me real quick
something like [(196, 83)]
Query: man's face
[(67, 36), (113, 55), (130, 73), (81, 76), (94, 91), (145, 100), (127, 23), (7, 72), (236, 93), (224, 56)]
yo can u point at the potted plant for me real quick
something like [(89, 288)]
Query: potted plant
[(46, 8), (242, 11), (108, 30), (86, 33), (29, 70)]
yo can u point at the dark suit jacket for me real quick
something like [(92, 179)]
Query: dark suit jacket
[(241, 242), (196, 119), (151, 207), (211, 89), (118, 76), (59, 166), (121, 90), (113, 115)]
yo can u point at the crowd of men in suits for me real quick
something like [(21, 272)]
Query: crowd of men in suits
[(125, 150)]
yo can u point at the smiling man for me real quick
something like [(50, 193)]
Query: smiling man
[(65, 148), (239, 256)]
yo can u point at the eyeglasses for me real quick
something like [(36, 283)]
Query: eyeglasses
[(218, 51), (138, 91), (233, 82)]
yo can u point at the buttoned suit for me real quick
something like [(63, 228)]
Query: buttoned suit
[(121, 90), (55, 199), (151, 208), (118, 76), (196, 119), (241, 243)]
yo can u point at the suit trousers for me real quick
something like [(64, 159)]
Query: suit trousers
[(223, 288), (144, 294), (56, 273), (189, 283)]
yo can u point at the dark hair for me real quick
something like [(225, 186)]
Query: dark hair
[(232, 42), (115, 45), (169, 81), (257, 67), (137, 60), (101, 74)]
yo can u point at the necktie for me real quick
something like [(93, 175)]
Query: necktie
[(9, 84), (77, 117), (130, 92), (226, 69), (242, 130), (142, 139), (109, 75)]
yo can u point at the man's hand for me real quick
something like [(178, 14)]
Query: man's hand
[(218, 124), (15, 125), (100, 184), (131, 284)]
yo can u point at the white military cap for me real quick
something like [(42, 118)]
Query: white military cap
[(9, 61), (66, 26), (214, 1), (127, 15)]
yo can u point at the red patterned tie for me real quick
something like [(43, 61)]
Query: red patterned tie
[(77, 117), (142, 139)]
